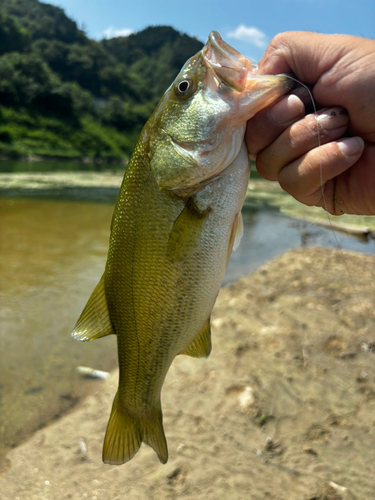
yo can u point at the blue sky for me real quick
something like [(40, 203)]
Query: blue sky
[(247, 25)]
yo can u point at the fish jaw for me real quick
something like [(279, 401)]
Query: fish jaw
[(251, 92)]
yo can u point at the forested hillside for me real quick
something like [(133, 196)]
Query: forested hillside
[(63, 94)]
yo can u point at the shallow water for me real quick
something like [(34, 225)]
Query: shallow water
[(52, 256)]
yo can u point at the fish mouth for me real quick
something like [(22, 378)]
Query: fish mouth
[(239, 73), (229, 65)]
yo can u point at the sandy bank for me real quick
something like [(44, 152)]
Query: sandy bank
[(283, 409)]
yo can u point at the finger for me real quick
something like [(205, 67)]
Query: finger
[(299, 138), (355, 188), (332, 65), (304, 177), (269, 123), (307, 55), (305, 94)]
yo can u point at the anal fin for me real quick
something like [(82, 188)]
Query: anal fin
[(94, 321), (201, 345)]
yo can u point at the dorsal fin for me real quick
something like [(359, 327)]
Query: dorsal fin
[(201, 345), (94, 321)]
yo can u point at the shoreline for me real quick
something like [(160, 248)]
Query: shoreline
[(66, 159), (259, 192)]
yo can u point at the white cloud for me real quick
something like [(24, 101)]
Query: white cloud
[(249, 34), (113, 33)]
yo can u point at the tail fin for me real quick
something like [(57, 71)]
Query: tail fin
[(125, 433)]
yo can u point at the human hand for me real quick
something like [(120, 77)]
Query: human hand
[(340, 70)]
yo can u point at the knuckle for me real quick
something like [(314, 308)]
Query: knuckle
[(305, 129), (287, 180), (252, 140), (279, 40), (265, 166)]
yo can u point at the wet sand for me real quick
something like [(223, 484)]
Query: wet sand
[(283, 409)]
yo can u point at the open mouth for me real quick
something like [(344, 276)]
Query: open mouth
[(230, 66), (239, 73)]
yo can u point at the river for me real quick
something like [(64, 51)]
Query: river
[(53, 252)]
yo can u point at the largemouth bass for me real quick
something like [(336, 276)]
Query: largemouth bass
[(176, 220)]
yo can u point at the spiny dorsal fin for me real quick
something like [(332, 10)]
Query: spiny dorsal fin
[(186, 231), (94, 321), (126, 431), (201, 345)]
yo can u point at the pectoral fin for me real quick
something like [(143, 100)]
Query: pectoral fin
[(239, 232), (201, 345), (94, 321), (186, 231)]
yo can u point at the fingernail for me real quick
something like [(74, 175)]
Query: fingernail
[(333, 118), (287, 110), (351, 146)]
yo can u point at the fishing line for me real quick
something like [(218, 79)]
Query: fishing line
[(339, 248)]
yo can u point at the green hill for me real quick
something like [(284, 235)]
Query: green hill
[(63, 94)]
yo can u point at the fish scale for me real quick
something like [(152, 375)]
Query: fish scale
[(176, 220)]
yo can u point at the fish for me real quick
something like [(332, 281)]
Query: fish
[(176, 221)]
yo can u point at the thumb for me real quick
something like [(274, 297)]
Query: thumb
[(338, 67), (307, 55)]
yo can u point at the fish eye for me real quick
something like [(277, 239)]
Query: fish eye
[(183, 87)]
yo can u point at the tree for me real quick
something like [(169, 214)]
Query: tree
[(12, 36)]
